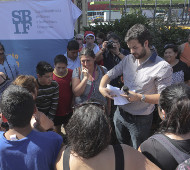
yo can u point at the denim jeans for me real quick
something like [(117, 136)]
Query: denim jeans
[(132, 129)]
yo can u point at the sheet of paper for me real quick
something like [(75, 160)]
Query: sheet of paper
[(118, 100)]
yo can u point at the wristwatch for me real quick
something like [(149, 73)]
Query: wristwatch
[(143, 98)]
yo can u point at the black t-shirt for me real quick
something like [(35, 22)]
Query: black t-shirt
[(181, 73), (157, 153)]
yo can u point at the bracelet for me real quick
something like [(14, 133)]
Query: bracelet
[(143, 98)]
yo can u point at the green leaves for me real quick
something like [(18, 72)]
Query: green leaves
[(163, 33)]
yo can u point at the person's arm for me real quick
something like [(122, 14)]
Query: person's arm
[(43, 121), (181, 48), (116, 51), (102, 88), (99, 54), (149, 98), (79, 86), (120, 55)]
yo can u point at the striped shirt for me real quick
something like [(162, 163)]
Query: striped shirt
[(47, 99)]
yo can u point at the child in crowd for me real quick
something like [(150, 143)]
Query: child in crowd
[(48, 91), (63, 76)]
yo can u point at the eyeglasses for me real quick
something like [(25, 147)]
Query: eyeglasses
[(79, 39), (88, 103)]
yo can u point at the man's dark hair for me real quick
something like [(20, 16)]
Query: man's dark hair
[(114, 36), (2, 46), (139, 32), (87, 52), (101, 35), (17, 105), (88, 130), (73, 45), (60, 59), (43, 67), (175, 101), (172, 46)]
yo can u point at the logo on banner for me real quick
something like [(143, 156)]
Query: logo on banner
[(22, 20)]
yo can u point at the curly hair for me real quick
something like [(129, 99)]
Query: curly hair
[(88, 131), (17, 105), (175, 101)]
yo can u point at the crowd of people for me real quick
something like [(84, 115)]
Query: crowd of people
[(65, 118)]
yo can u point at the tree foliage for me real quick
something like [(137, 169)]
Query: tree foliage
[(162, 33)]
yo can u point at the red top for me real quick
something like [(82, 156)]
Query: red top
[(185, 55), (65, 93)]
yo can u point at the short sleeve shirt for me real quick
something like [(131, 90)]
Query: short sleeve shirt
[(95, 92)]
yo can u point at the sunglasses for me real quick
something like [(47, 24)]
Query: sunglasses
[(87, 103)]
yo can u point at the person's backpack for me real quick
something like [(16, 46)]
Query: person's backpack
[(184, 165)]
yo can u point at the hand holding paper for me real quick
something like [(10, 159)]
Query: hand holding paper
[(118, 100)]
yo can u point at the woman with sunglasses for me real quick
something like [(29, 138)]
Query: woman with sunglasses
[(171, 145), (86, 79), (8, 64), (88, 148), (181, 72)]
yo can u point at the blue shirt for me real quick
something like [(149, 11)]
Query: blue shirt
[(9, 67), (37, 151), (73, 64)]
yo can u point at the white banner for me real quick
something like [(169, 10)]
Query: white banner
[(36, 30), (34, 19)]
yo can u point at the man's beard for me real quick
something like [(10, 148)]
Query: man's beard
[(142, 54)]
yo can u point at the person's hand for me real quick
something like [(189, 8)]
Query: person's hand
[(106, 92), (132, 96), (104, 45), (85, 72), (43, 121), (115, 49)]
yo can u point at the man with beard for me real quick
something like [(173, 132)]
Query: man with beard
[(146, 75)]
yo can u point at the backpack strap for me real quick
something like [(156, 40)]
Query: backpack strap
[(173, 150), (66, 158), (102, 69), (79, 72), (119, 157)]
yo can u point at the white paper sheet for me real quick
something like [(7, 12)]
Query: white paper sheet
[(118, 100)]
